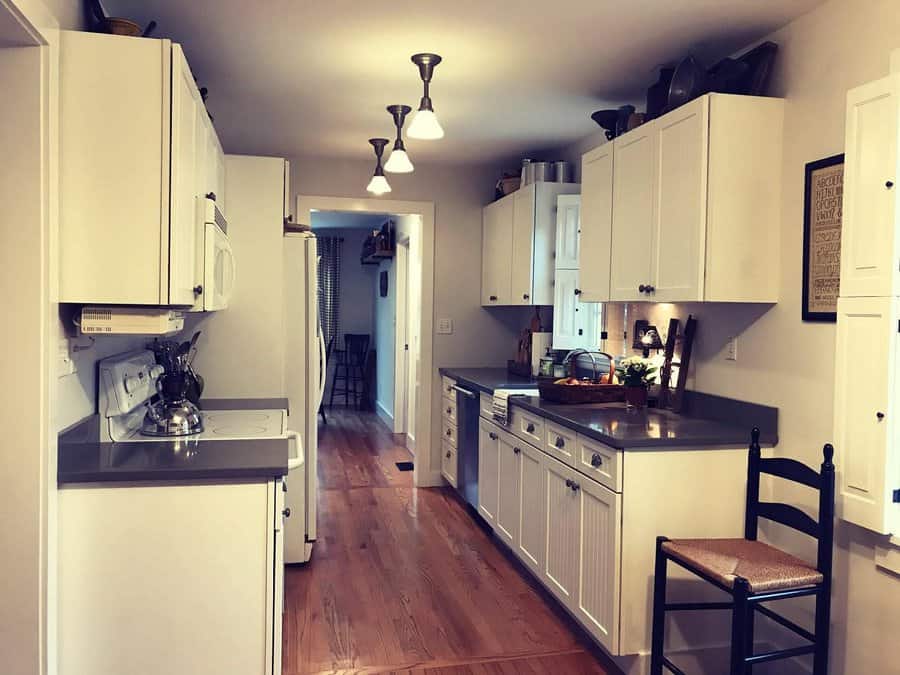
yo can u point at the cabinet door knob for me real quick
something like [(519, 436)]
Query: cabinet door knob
[(649, 289), (530, 428), (568, 483), (492, 436), (447, 455), (596, 460), (889, 184), (577, 291), (525, 296), (449, 433), (517, 450), (198, 290), (575, 486), (449, 410), (286, 513), (560, 443), (211, 195), (879, 415), (641, 288), (493, 298)]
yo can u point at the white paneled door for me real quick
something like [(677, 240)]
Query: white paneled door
[(634, 196), (561, 564), (488, 470), (496, 241), (507, 522), (869, 250), (678, 242), (596, 223), (568, 231), (865, 431), (523, 247), (532, 541)]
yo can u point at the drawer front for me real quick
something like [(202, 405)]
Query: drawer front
[(487, 406), (600, 462), (561, 443), (447, 389), (449, 463), (528, 426), (448, 410), (448, 432)]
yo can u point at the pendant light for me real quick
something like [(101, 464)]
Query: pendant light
[(424, 123), (378, 185), (398, 162)]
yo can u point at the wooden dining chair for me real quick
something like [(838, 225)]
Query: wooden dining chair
[(753, 573)]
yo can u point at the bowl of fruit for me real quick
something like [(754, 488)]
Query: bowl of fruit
[(598, 388)]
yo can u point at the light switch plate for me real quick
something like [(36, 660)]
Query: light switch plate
[(445, 326), (731, 349)]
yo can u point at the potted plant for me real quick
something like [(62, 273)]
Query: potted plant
[(636, 374)]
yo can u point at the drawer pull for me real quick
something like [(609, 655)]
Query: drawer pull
[(575, 486), (286, 512), (492, 436), (560, 443), (530, 428), (596, 460), (569, 483), (449, 410), (449, 433), (447, 455), (516, 451)]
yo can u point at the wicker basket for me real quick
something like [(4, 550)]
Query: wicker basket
[(580, 393)]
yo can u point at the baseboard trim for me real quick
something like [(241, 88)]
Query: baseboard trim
[(411, 444), (384, 415)]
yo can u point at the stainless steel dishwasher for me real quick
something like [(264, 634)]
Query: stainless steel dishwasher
[(467, 411)]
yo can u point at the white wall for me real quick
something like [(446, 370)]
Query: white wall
[(241, 352), (790, 364)]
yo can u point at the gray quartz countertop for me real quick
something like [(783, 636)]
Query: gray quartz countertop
[(84, 458), (487, 380), (709, 421)]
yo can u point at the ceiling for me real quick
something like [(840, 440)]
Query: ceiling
[(312, 77)]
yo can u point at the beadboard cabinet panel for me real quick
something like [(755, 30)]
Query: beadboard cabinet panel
[(596, 223)]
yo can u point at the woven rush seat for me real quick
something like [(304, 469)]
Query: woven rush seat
[(765, 567)]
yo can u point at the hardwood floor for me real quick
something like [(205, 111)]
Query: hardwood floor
[(403, 580)]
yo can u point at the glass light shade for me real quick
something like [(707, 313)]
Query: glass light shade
[(425, 126), (378, 185), (398, 162)]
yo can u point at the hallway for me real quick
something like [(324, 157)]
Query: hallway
[(404, 581)]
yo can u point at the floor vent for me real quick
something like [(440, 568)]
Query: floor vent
[(405, 466)]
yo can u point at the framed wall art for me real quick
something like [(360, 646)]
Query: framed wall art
[(822, 218)]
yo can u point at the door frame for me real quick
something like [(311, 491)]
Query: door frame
[(30, 289), (401, 335), (427, 467)]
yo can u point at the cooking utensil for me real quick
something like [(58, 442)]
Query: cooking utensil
[(118, 26), (688, 82), (658, 94), (624, 114), (760, 60), (148, 31), (543, 172), (607, 119), (727, 76), (527, 175), (172, 418), (562, 172)]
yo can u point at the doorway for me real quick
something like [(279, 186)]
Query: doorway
[(400, 318)]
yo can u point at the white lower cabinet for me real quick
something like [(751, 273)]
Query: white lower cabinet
[(449, 463), (187, 578), (532, 542), (488, 470), (508, 484), (560, 572), (600, 536)]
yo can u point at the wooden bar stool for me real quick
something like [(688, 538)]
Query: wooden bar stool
[(753, 573)]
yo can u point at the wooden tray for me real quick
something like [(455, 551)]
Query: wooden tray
[(580, 393)]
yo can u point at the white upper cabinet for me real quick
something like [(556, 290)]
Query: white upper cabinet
[(870, 262), (497, 233), (519, 237), (568, 231), (865, 412), (678, 242), (695, 205), (596, 223), (634, 194), (135, 149)]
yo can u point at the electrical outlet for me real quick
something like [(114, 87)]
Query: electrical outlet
[(65, 363), (731, 349), (445, 327)]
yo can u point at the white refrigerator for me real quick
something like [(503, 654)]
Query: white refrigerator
[(305, 386)]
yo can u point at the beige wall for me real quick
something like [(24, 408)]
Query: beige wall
[(783, 361)]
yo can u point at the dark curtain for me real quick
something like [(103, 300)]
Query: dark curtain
[(330, 286)]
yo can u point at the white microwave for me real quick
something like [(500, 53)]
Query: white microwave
[(218, 260)]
